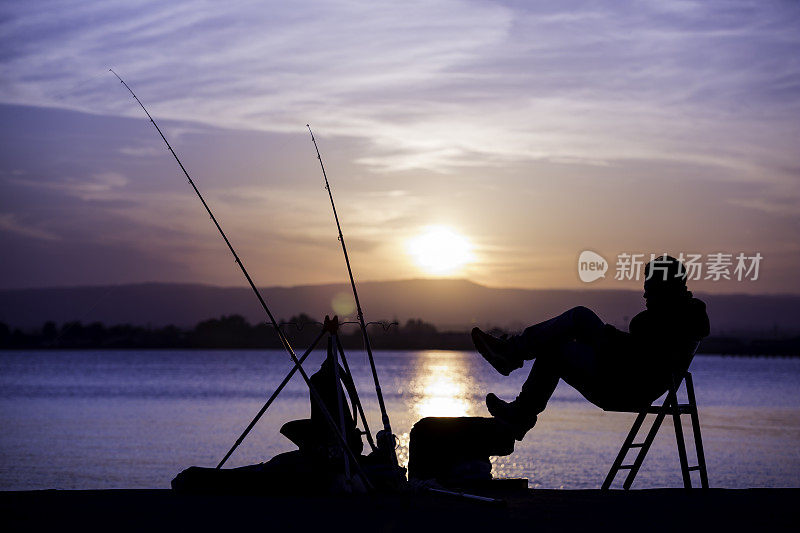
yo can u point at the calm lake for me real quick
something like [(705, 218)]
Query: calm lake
[(127, 419)]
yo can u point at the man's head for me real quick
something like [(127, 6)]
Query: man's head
[(664, 281)]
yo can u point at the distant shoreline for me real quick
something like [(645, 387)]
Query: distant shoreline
[(451, 305), (234, 332)]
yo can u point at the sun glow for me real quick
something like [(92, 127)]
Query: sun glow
[(439, 250)]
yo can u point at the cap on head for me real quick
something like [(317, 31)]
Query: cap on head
[(664, 276)]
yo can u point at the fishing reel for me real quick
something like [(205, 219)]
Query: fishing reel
[(386, 443), (394, 477)]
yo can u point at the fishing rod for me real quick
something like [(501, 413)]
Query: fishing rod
[(385, 438), (281, 336)]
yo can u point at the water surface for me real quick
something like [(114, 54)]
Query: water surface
[(105, 419)]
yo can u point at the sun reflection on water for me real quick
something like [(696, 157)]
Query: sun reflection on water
[(442, 386)]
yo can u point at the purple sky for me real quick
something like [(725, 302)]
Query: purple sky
[(536, 130)]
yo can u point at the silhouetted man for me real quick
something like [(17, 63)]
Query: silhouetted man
[(611, 368)]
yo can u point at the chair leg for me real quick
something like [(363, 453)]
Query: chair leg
[(698, 439), (672, 399), (670, 406), (648, 441), (612, 473)]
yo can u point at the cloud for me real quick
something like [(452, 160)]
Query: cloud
[(495, 117), (431, 85), (99, 186), (786, 206), (139, 151), (9, 222)]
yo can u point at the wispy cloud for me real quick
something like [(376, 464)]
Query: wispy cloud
[(139, 151), (10, 222), (432, 85), (100, 186)]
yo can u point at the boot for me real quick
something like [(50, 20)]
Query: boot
[(500, 353), (519, 418)]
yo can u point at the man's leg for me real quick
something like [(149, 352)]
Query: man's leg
[(575, 362), (506, 355), (579, 324), (539, 386)]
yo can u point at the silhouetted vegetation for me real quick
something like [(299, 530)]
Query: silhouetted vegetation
[(234, 332)]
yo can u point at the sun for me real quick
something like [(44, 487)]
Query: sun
[(439, 250)]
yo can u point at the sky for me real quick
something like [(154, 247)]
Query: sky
[(531, 131)]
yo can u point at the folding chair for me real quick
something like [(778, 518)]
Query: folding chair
[(671, 406)]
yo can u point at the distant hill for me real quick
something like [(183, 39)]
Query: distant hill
[(449, 304)]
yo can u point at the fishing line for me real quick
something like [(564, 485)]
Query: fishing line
[(385, 438)]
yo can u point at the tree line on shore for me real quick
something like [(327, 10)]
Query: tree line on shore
[(234, 332)]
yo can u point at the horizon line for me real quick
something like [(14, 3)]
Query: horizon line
[(588, 288)]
